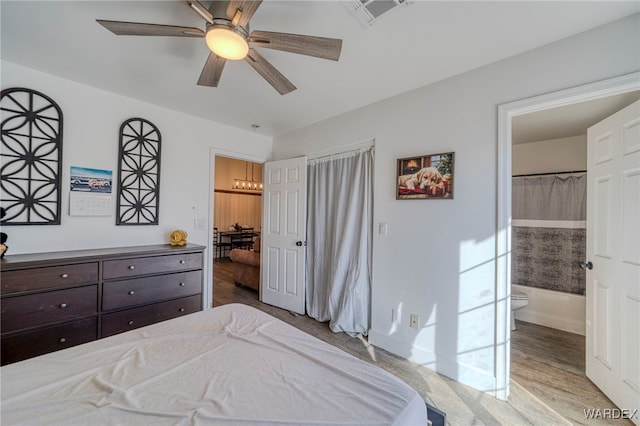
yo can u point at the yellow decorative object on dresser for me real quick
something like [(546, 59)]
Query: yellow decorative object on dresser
[(178, 238)]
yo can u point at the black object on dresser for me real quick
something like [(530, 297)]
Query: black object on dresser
[(51, 301)]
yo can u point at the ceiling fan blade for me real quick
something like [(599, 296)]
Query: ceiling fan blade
[(210, 75), (269, 73), (199, 9), (248, 8), (139, 29), (320, 47)]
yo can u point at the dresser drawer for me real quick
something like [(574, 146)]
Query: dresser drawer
[(129, 319), (33, 310), (49, 277), (151, 265), (138, 291), (41, 341)]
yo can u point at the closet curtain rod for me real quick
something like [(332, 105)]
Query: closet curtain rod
[(550, 173)]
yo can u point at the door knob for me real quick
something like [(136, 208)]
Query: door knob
[(300, 243), (587, 265)]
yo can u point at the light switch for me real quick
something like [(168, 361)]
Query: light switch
[(382, 228)]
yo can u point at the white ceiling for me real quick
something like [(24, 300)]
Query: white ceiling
[(566, 121), (409, 47)]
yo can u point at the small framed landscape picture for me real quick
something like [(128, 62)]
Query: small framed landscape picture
[(425, 177)]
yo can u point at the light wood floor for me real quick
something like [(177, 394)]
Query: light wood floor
[(548, 385)]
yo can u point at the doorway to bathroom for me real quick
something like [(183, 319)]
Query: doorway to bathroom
[(548, 209), (547, 286), (546, 344)]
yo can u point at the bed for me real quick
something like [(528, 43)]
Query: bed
[(231, 365)]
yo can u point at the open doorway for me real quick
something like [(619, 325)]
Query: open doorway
[(615, 94), (548, 244), (548, 238), (237, 222)]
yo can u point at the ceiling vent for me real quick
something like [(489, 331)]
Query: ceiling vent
[(368, 11)]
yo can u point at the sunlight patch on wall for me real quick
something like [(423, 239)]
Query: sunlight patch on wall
[(476, 304)]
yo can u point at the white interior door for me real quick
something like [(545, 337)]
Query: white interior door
[(613, 248), (283, 234)]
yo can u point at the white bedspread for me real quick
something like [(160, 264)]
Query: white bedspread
[(232, 365)]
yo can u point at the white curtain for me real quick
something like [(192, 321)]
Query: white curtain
[(339, 240), (550, 197)]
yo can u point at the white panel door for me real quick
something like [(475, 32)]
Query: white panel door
[(613, 248), (284, 212)]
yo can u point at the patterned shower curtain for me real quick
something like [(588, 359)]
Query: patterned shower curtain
[(549, 232)]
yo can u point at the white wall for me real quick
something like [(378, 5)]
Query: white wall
[(438, 259), (92, 120), (554, 155)]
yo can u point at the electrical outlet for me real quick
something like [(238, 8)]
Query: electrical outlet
[(414, 321)]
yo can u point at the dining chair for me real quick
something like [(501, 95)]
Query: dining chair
[(219, 246), (244, 240)]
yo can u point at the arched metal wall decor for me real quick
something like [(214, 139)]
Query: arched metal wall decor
[(138, 173), (31, 157)]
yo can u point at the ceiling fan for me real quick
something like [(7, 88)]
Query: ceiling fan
[(227, 36)]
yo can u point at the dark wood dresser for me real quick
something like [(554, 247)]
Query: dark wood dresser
[(51, 301)]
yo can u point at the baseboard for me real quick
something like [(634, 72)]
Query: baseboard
[(441, 364)]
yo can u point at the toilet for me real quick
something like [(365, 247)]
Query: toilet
[(519, 300)]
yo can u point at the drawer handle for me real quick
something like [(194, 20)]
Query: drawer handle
[(130, 323), (64, 276), (181, 284), (62, 340), (182, 262), (181, 310), (132, 292), (63, 305), (132, 267)]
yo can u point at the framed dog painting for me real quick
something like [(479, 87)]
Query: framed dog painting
[(425, 177)]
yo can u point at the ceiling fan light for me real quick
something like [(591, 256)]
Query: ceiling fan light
[(226, 43)]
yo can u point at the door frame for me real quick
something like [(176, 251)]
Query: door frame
[(600, 89), (213, 152)]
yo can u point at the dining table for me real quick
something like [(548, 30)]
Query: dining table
[(238, 239)]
